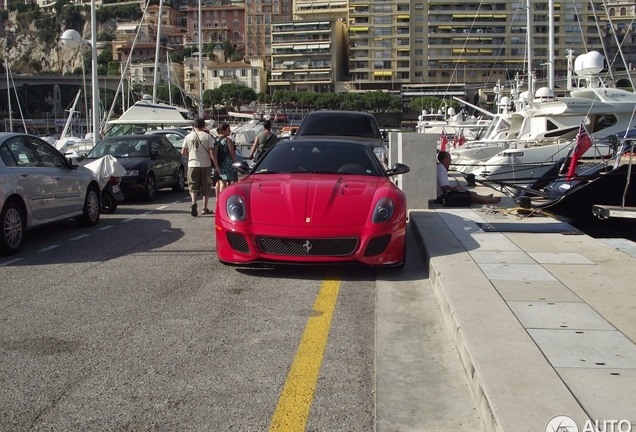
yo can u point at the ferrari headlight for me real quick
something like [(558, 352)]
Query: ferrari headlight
[(235, 206), (383, 210)]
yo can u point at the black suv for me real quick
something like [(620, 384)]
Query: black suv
[(349, 125)]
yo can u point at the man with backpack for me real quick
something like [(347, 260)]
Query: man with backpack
[(263, 141)]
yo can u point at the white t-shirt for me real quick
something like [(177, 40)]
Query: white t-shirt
[(442, 179), (198, 150)]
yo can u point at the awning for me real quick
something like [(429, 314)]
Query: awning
[(300, 73), (404, 49), (458, 50), (282, 47), (404, 16), (299, 47), (276, 73), (313, 47), (382, 73), (338, 4), (319, 4), (445, 27), (288, 63), (127, 27), (323, 46), (318, 73), (358, 29)]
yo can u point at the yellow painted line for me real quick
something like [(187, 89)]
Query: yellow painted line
[(295, 400)]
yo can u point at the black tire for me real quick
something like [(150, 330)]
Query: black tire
[(13, 227), (109, 203), (180, 186), (90, 215), (150, 192)]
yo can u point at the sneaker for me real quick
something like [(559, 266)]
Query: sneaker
[(193, 209)]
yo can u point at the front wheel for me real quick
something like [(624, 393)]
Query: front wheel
[(151, 187), (90, 215), (13, 227), (109, 203)]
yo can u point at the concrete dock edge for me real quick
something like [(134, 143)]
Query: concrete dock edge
[(513, 385)]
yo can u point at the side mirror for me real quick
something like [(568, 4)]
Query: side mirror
[(384, 135), (241, 166), (398, 168), (293, 131), (73, 162)]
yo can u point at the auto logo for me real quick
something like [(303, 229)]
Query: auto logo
[(307, 246), (307, 220)]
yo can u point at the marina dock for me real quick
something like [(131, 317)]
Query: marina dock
[(543, 316)]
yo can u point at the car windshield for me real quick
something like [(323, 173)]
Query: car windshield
[(320, 158), (120, 148), (339, 125)]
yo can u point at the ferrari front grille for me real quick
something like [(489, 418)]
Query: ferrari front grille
[(308, 247), (238, 242), (377, 245)]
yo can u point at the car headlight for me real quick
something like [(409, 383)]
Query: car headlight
[(132, 173), (235, 206), (383, 210)]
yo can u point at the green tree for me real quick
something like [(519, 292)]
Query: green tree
[(212, 97), (308, 100), (352, 102), (377, 100), (284, 97), (328, 101), (237, 95)]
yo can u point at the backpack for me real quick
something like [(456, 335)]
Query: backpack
[(219, 150)]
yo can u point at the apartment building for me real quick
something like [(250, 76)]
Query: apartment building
[(173, 30), (216, 72), (219, 22), (260, 14), (381, 38), (308, 55)]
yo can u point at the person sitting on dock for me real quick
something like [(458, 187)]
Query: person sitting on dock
[(443, 183)]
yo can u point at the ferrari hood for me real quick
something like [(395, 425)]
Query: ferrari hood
[(312, 200)]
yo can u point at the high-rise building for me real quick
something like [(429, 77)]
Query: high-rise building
[(260, 14)]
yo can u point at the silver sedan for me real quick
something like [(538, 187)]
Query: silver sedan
[(39, 185)]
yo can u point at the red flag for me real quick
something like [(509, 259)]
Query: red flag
[(455, 141), (443, 141), (583, 144), (462, 139)]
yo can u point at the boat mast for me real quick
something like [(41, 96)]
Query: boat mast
[(200, 62), (551, 45), (6, 62), (169, 81), (529, 42), (618, 44), (157, 51)]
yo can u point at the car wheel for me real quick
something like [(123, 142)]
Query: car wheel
[(109, 203), (151, 187), (90, 216), (180, 186), (13, 226)]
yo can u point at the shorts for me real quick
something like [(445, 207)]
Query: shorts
[(199, 179)]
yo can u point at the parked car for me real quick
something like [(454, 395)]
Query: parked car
[(151, 163), (175, 136), (349, 125), (39, 185), (313, 201)]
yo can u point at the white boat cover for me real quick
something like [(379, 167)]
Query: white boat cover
[(105, 168), (145, 113)]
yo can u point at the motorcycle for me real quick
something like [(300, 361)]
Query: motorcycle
[(109, 173), (111, 195)]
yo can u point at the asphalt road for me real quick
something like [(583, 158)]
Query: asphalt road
[(134, 325)]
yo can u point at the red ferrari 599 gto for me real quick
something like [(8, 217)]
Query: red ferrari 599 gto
[(313, 202)]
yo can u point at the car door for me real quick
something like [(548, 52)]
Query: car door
[(35, 180), (161, 161), (69, 183)]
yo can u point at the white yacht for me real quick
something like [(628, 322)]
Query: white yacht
[(551, 126)]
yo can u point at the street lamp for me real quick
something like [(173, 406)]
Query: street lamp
[(71, 39)]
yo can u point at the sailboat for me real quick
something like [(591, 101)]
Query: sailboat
[(69, 145)]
